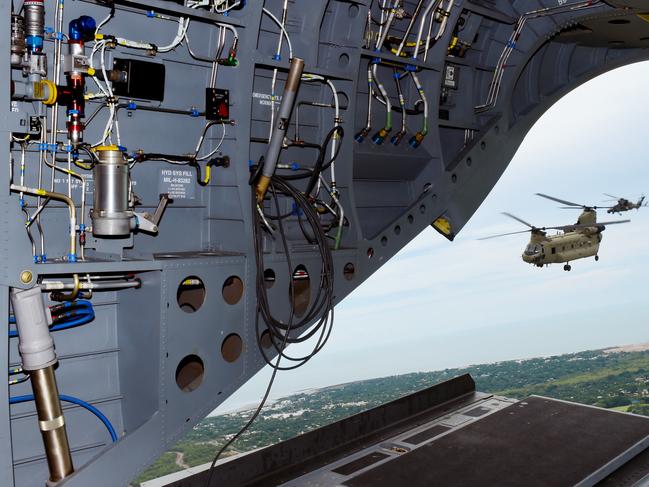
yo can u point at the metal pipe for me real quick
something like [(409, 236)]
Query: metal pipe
[(72, 256), (51, 423), (36, 348), (416, 13), (281, 125), (90, 286)]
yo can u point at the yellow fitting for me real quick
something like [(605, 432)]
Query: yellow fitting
[(47, 86), (99, 37), (91, 71), (101, 148), (262, 187), (26, 277)]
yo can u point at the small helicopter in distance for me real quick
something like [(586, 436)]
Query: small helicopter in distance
[(578, 241), (622, 204)]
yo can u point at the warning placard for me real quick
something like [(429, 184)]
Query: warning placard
[(180, 184)]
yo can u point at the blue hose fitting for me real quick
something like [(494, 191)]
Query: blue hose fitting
[(360, 136), (416, 140), (380, 136), (397, 138), (82, 29)]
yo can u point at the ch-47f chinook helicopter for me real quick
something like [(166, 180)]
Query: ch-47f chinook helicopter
[(623, 205), (578, 241)]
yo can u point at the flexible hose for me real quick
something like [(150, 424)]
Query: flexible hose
[(78, 402)]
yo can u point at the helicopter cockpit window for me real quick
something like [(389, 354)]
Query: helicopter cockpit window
[(533, 249)]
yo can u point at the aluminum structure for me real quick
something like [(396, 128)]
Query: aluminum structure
[(186, 215)]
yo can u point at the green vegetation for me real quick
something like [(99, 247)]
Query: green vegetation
[(610, 380)]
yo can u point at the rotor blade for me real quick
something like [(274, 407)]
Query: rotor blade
[(606, 224), (557, 200), (572, 228), (611, 196), (505, 235), (519, 220)]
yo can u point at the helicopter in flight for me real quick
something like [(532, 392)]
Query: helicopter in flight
[(623, 205), (574, 242)]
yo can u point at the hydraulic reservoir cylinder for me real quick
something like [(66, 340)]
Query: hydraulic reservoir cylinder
[(35, 24), (281, 125), (111, 214), (38, 357)]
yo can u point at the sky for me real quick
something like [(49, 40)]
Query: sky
[(440, 305)]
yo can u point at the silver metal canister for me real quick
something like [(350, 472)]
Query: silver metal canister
[(111, 215)]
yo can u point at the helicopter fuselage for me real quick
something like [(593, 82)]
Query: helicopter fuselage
[(563, 248)]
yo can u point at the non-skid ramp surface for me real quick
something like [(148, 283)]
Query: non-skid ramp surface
[(536, 442)]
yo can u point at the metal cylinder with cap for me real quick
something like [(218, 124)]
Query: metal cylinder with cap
[(284, 114), (38, 360), (35, 24), (111, 215)]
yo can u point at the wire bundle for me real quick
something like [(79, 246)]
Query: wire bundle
[(66, 315), (320, 311)]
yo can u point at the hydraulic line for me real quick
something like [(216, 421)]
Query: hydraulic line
[(74, 400), (277, 57), (48, 285), (499, 72), (72, 256), (418, 138), (380, 136), (337, 120), (411, 24), (432, 6), (396, 139), (360, 136)]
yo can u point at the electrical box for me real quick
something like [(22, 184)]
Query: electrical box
[(143, 79), (217, 104)]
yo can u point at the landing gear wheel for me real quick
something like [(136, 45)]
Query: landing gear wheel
[(597, 258), (567, 268)]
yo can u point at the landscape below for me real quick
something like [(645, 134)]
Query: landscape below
[(612, 378)]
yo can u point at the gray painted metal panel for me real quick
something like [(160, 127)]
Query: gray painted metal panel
[(125, 361)]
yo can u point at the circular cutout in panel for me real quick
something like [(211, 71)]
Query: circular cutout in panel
[(232, 290), (232, 347), (189, 373), (265, 340), (353, 11), (619, 21), (469, 161), (384, 241), (343, 60), (269, 278), (301, 290), (422, 209), (411, 219), (191, 294), (397, 230), (349, 271)]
